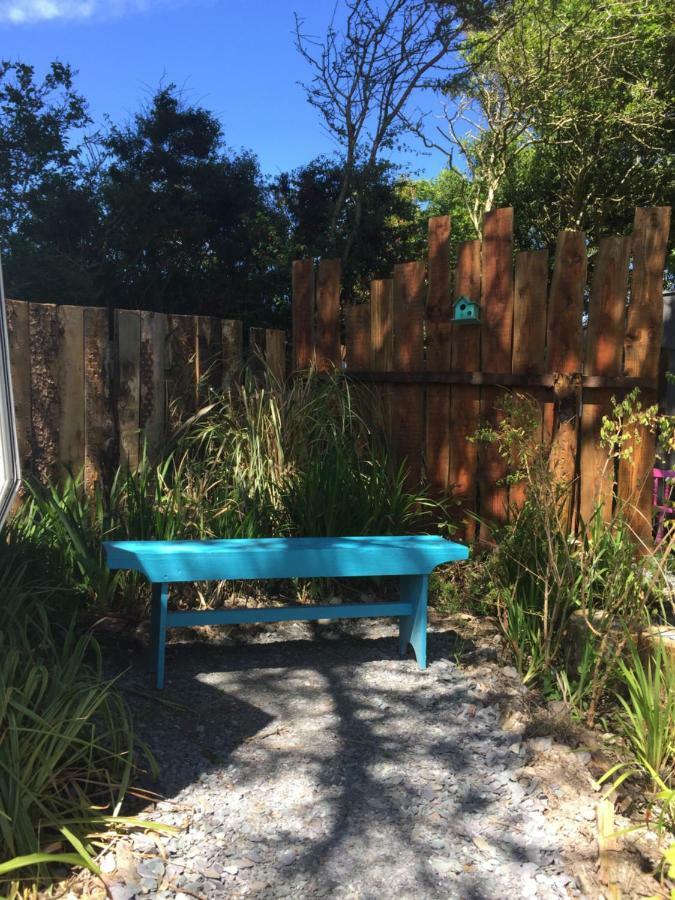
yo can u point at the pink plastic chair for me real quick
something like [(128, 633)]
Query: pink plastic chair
[(663, 500)]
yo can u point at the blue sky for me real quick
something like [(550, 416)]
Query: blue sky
[(235, 57)]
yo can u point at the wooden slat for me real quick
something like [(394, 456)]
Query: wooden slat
[(19, 356), (382, 341), (70, 380), (256, 352), (604, 356), (232, 335), (275, 353), (439, 355), (566, 301), (496, 338), (152, 411), (357, 327), (408, 400), (128, 383), (328, 314), (465, 402), (209, 354), (303, 313), (182, 368), (529, 312), (529, 332), (99, 433), (564, 355), (45, 395), (644, 329), (644, 325)]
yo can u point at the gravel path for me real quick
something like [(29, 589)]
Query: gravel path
[(310, 761)]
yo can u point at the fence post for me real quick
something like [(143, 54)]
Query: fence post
[(439, 355), (644, 330), (496, 340)]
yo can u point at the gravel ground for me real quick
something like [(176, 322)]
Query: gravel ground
[(310, 761)]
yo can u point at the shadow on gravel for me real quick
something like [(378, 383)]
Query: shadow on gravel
[(193, 727)]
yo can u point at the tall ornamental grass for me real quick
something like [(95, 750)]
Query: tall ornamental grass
[(304, 458)]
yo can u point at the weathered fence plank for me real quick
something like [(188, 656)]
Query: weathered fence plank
[(275, 353), (328, 315), (19, 354), (45, 397), (357, 329), (182, 368), (70, 385), (128, 384), (88, 399), (496, 341), (439, 355), (564, 357), (644, 330), (382, 341), (232, 335), (99, 433), (465, 401), (408, 400), (209, 349), (529, 333), (303, 313), (604, 356), (152, 400)]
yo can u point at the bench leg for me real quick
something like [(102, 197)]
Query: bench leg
[(413, 628), (160, 601)]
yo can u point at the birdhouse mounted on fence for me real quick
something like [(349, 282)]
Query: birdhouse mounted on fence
[(465, 311)]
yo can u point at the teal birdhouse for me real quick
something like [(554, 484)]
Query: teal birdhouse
[(465, 311)]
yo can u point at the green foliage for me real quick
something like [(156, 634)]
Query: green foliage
[(558, 595), (565, 114), (305, 458), (447, 194), (378, 219), (67, 748), (158, 214), (648, 707)]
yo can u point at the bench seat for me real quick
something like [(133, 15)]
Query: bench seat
[(411, 558)]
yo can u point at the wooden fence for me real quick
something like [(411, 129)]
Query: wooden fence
[(569, 343), (88, 395)]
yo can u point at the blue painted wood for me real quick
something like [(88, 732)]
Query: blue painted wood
[(412, 558), (171, 561), (294, 613), (159, 615), (413, 628)]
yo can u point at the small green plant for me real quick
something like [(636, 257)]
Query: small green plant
[(648, 707)]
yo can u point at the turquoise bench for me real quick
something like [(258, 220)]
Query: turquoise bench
[(168, 562)]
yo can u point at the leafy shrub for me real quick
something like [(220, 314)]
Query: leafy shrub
[(542, 573)]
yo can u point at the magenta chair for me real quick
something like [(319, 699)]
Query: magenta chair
[(663, 500)]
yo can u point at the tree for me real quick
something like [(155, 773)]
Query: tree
[(368, 71), (446, 194), (387, 228), (566, 113), (188, 225), (47, 210), (36, 120)]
